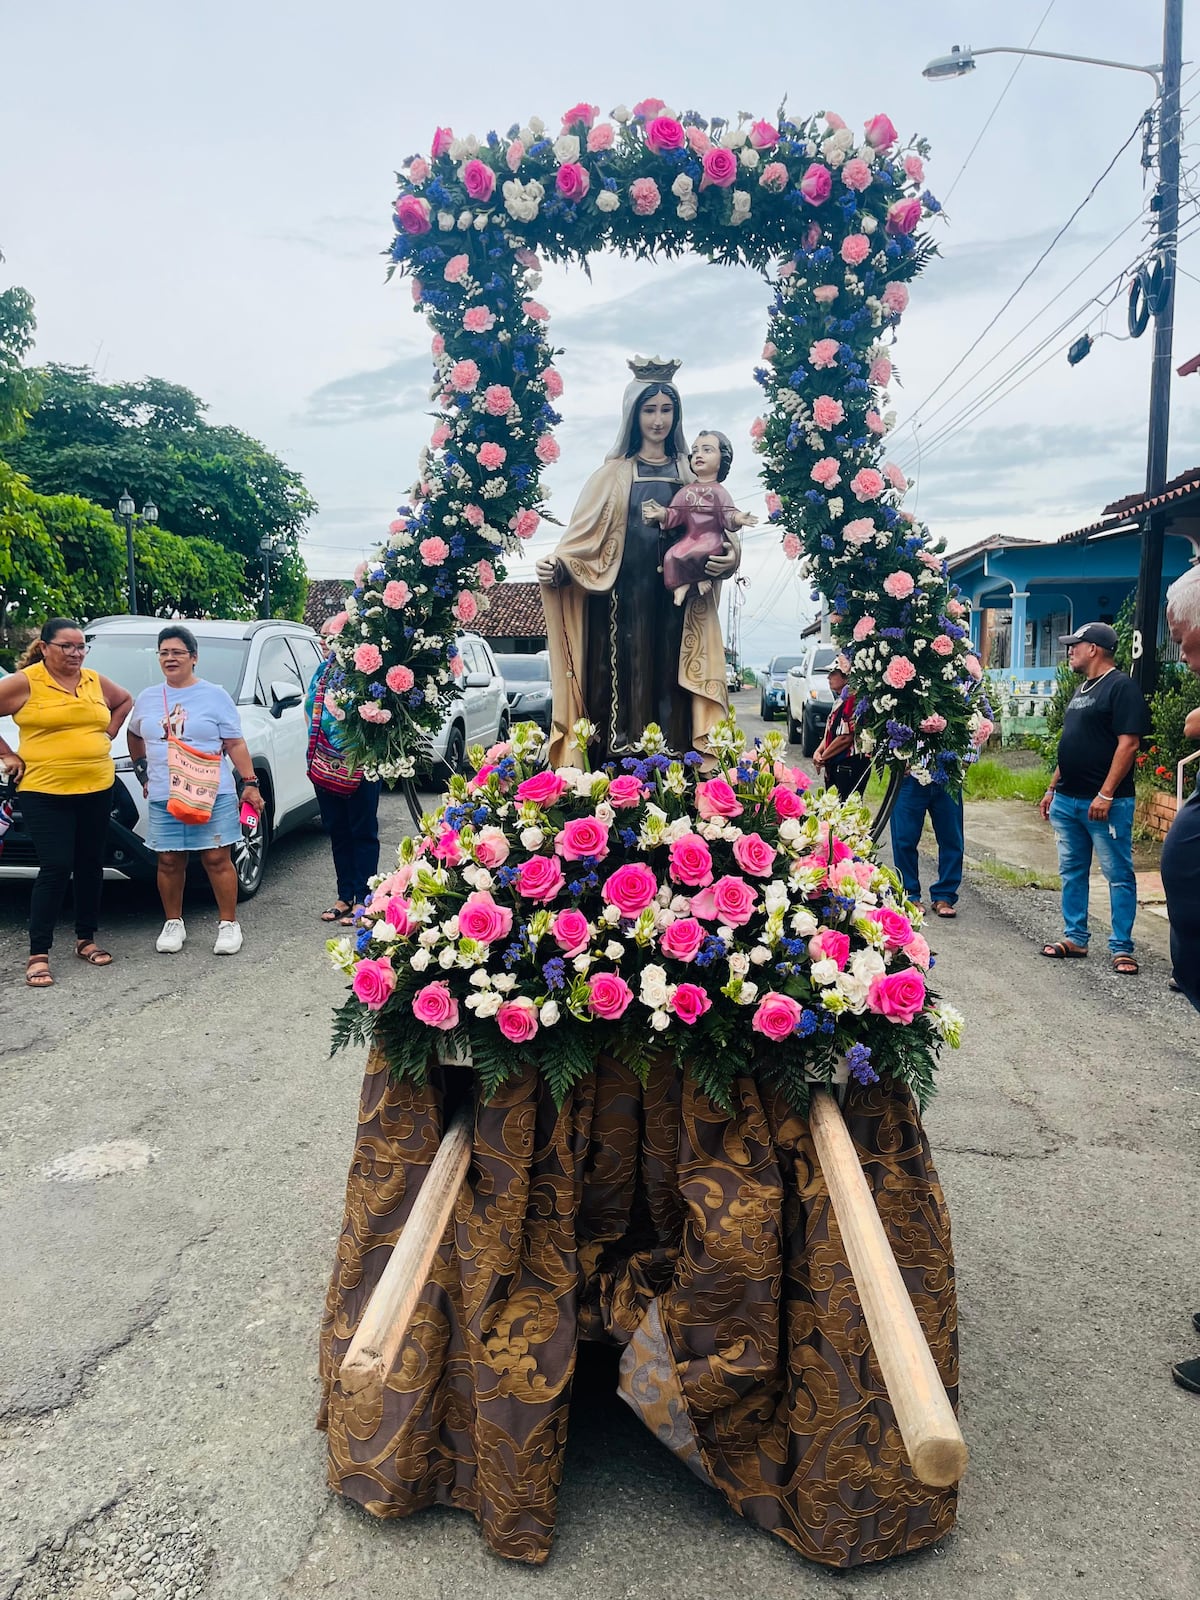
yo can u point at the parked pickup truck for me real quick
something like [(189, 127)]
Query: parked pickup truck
[(809, 697)]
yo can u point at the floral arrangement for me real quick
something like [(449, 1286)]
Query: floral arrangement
[(727, 919), (831, 221)]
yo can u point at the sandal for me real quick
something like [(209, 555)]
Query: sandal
[(88, 950), (350, 920), (943, 908), (37, 973), (336, 912), (1060, 950), (1126, 966)]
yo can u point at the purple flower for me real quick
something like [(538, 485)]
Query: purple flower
[(858, 1064)]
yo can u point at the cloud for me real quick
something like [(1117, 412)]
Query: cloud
[(975, 266), (398, 388)]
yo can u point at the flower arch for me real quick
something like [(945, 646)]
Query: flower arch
[(832, 222)]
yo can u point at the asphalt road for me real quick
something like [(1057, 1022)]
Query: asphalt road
[(158, 1347)]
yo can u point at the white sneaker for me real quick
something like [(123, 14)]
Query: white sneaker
[(229, 939), (172, 938)]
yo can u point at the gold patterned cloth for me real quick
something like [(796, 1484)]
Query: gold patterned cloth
[(701, 1243)]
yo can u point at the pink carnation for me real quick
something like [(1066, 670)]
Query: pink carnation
[(492, 455), (600, 138), (875, 422), (466, 607), (895, 476), (664, 133), (475, 515), (826, 472), (367, 658), (934, 723), (440, 434), (856, 247), (899, 585), (828, 412), (436, 1007), (866, 484), (645, 196), (514, 155), (396, 594), (881, 132), (824, 353), (864, 628), (546, 449), (464, 375), (955, 608), (572, 181), (518, 1019), (918, 952), (774, 177), (418, 169), (776, 1016), (859, 532), (817, 184), (899, 671), (373, 983), (399, 679), (914, 169), (973, 667), (758, 428), (497, 400), (552, 382), (524, 524), (895, 299), (943, 645), (881, 372), (856, 175), (774, 503), (456, 269), (825, 294), (720, 168), (479, 320), (983, 732), (689, 1003), (833, 121), (433, 551), (791, 546)]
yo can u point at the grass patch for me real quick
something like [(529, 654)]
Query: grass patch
[(993, 780), (1018, 877)]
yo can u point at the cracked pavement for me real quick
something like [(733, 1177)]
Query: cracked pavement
[(158, 1349)]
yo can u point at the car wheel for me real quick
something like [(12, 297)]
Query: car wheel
[(456, 752), (765, 712), (502, 731), (812, 737), (795, 731), (250, 856)]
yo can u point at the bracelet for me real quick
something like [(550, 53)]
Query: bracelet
[(249, 783), (1107, 797)]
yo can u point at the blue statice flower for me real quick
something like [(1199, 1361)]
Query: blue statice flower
[(377, 691), (899, 733), (506, 767), (806, 1024), (554, 973), (362, 940), (693, 759), (627, 837), (480, 815), (711, 950), (930, 204), (828, 1023), (416, 697)]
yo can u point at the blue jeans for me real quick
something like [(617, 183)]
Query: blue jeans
[(352, 823), (1077, 836), (908, 819)]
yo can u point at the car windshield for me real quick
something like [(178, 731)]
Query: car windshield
[(131, 659), (823, 660), (524, 669), (782, 664)]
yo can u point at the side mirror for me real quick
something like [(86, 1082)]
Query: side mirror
[(477, 680), (284, 696)]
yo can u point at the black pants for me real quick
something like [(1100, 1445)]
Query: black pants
[(352, 823), (847, 773), (1181, 880), (68, 832)]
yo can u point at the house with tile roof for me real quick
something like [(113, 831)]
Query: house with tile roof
[(514, 623)]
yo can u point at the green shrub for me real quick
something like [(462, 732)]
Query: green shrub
[(1178, 694)]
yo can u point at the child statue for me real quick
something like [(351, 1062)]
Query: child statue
[(706, 510)]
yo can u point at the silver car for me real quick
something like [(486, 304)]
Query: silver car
[(527, 685), (478, 714)]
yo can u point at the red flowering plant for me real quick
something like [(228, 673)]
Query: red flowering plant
[(832, 219), (728, 918)]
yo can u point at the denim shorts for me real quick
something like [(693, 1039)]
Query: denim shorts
[(165, 832)]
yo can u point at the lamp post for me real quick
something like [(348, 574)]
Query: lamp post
[(1166, 204), (266, 549), (126, 511)]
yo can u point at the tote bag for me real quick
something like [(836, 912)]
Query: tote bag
[(193, 776), (327, 767)]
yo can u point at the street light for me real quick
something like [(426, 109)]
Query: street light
[(127, 512), (266, 549), (1166, 76)]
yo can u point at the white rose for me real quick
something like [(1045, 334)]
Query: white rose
[(734, 138), (614, 950), (481, 222), (606, 200), (739, 963), (384, 932), (775, 895), (621, 114), (465, 218), (654, 989), (741, 206), (538, 126), (566, 148), (750, 157), (844, 139), (747, 994), (660, 1021), (682, 186), (458, 150), (447, 958), (419, 960), (804, 924), (582, 962), (504, 982), (531, 838), (526, 136), (824, 971), (445, 220), (759, 954), (686, 209), (549, 1014)]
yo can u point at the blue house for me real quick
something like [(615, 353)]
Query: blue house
[(1025, 593)]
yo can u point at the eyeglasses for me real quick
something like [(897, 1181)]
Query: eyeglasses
[(174, 655), (70, 649)]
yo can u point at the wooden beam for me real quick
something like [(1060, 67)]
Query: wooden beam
[(926, 1419), (387, 1314)]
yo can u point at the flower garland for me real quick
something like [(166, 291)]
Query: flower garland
[(831, 222), (728, 920)]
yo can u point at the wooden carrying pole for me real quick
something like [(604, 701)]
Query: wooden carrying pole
[(928, 1426), (388, 1312)]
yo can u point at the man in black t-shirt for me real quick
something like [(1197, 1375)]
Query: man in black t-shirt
[(836, 757), (1090, 799)]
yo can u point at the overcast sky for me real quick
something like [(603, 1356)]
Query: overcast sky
[(203, 193)]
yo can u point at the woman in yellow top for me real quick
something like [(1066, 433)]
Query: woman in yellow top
[(64, 767)]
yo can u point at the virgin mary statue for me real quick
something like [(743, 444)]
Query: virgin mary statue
[(622, 655)]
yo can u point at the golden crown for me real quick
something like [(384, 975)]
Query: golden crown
[(653, 369)]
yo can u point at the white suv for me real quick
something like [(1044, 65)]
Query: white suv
[(266, 667), (478, 713)]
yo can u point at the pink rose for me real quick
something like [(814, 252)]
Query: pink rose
[(689, 1003), (664, 133), (914, 169), (720, 168), (864, 628), (600, 138), (373, 983), (518, 1019), (875, 422), (812, 235), (898, 996), (691, 861), (918, 952), (413, 213), (856, 175), (943, 645), (880, 373), (478, 180), (552, 383), (787, 802), (466, 607), (581, 113), (448, 848), (582, 837), (609, 996), (698, 140), (443, 138), (464, 375), (787, 269), (859, 532), (367, 658), (833, 121), (491, 847), (396, 594), (683, 939), (827, 944), (571, 932), (881, 132), (716, 798), (826, 472), (482, 919), (895, 299), (898, 672), (828, 412), (456, 269), (456, 666), (824, 353), (791, 546), (547, 449), (791, 777), (497, 400), (479, 320), (645, 195), (399, 679), (895, 924), (734, 900), (418, 169), (540, 878), (899, 585), (754, 855), (572, 181), (433, 551), (396, 915), (436, 1007), (776, 1016), (542, 789), (817, 184), (631, 888), (774, 177), (934, 723), (763, 135), (514, 155), (524, 524), (624, 791), (903, 216), (866, 484), (856, 247), (492, 455), (648, 108)]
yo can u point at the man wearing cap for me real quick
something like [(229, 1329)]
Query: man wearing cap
[(1090, 799), (835, 756)]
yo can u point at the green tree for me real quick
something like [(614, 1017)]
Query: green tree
[(19, 388), (216, 483)]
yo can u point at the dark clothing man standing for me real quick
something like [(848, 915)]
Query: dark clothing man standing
[(835, 757)]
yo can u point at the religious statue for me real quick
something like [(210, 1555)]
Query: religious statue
[(706, 509), (621, 654)]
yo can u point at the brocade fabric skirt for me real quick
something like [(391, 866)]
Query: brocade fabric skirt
[(702, 1244)]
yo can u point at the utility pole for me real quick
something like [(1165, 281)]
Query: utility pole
[(1148, 604)]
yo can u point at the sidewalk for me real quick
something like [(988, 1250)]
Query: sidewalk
[(1012, 833)]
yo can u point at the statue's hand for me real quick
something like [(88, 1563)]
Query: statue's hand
[(747, 519), (652, 511), (551, 572), (721, 566)]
